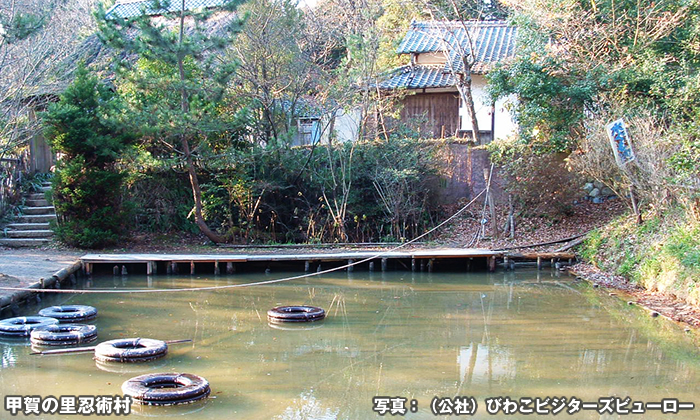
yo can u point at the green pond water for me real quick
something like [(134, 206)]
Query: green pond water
[(397, 334)]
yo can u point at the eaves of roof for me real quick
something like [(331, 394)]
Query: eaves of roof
[(418, 77)]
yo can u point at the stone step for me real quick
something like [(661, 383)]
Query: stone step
[(45, 188), (29, 233), (29, 226), (42, 202), (23, 242), (46, 210), (36, 218), (36, 196)]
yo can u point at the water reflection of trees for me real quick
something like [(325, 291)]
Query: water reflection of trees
[(416, 335), (307, 406)]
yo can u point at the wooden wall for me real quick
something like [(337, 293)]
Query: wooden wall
[(42, 158), (433, 115)]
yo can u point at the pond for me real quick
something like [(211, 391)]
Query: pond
[(395, 335)]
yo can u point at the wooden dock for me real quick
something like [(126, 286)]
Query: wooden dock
[(412, 260)]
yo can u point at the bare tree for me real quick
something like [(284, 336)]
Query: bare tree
[(36, 37), (588, 37), (280, 65)]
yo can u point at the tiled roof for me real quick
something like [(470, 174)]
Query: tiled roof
[(418, 77), (493, 41), (126, 9)]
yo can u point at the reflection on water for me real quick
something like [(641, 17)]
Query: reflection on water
[(414, 335), (481, 364)]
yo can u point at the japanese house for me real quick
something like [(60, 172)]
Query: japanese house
[(437, 51)]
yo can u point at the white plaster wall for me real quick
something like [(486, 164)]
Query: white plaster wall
[(430, 58), (505, 126), (346, 126)]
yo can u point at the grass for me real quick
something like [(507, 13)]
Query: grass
[(662, 254)]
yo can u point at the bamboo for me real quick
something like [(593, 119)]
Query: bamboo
[(558, 241), (92, 348), (543, 255), (578, 241)]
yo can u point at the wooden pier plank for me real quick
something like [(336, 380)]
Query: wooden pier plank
[(229, 260), (142, 258)]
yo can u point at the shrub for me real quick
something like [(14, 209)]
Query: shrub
[(366, 191), (538, 179), (84, 127)]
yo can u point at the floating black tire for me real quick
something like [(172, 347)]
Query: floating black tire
[(22, 326), (166, 388), (130, 350), (295, 314), (63, 334), (70, 313)]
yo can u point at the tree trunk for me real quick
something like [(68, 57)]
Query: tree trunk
[(197, 194), (465, 91), (191, 170)]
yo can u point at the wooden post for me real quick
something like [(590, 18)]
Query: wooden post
[(431, 263), (168, 267), (115, 270), (124, 272), (149, 268), (539, 263), (192, 270), (217, 271), (489, 201), (230, 268), (351, 267), (413, 264), (511, 218), (635, 206), (505, 263), (88, 269), (371, 266), (492, 263), (307, 266), (175, 268), (384, 264), (422, 265)]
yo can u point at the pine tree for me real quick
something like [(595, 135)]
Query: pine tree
[(175, 79)]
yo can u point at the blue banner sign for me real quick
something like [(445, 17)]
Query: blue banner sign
[(620, 142)]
